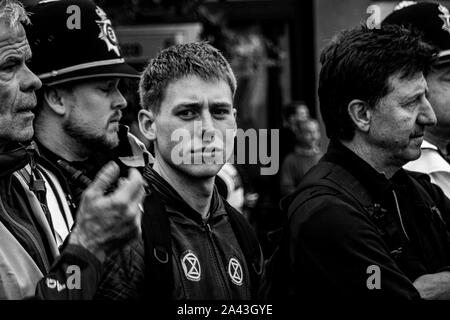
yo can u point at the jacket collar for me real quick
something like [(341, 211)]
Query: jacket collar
[(174, 201), (372, 180), (15, 157)]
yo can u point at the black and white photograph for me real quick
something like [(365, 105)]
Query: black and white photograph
[(224, 159)]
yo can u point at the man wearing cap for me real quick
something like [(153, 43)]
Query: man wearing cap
[(32, 263), (433, 20), (360, 226), (79, 106)]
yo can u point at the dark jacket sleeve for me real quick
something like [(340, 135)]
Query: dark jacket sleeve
[(336, 252), (123, 274), (74, 275)]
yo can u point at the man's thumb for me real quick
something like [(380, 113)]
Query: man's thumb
[(105, 177)]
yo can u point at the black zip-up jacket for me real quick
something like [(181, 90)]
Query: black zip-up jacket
[(207, 261), (355, 234)]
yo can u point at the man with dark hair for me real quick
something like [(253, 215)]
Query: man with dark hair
[(359, 225), (32, 263), (196, 246), (432, 19)]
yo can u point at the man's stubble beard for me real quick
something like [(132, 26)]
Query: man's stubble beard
[(92, 143)]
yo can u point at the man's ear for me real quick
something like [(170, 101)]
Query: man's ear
[(360, 113), (147, 125), (54, 100), (235, 122)]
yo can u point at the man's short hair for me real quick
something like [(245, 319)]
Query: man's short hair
[(179, 61), (13, 12), (358, 63)]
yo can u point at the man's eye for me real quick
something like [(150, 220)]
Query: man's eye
[(412, 103), (221, 112), (8, 67), (186, 114), (106, 89)]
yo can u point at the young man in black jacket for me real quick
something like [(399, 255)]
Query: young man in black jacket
[(360, 226), (198, 247)]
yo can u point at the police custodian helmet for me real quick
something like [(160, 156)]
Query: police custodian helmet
[(73, 40), (432, 19)]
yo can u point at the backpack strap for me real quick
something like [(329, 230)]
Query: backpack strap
[(158, 249), (249, 244), (275, 281)]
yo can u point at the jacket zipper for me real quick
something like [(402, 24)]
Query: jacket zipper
[(217, 264), (400, 215)]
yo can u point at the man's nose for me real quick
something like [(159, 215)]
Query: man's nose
[(29, 81), (207, 125), (427, 116), (119, 101)]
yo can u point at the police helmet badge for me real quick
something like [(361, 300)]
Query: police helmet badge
[(106, 31), (445, 17)]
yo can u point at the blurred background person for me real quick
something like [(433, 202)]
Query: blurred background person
[(306, 154), (293, 112)]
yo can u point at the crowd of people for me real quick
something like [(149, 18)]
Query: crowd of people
[(90, 211)]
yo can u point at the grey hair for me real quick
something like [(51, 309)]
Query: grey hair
[(13, 12)]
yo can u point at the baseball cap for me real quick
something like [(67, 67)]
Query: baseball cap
[(430, 18), (73, 40)]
